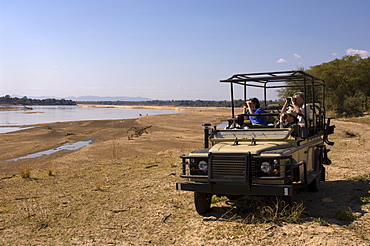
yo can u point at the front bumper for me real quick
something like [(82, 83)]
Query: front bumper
[(236, 189)]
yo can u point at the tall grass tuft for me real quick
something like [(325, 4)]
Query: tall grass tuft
[(50, 172), (25, 171), (99, 183)]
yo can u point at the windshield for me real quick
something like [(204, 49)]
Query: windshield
[(251, 134)]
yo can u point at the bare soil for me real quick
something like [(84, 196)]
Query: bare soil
[(120, 189)]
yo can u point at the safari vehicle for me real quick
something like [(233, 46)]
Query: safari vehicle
[(265, 161)]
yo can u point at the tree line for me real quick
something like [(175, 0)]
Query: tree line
[(174, 103), (8, 100), (347, 85)]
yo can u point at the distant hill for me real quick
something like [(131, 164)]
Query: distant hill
[(91, 98), (97, 98)]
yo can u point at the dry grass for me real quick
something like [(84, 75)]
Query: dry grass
[(49, 172), (25, 171), (259, 210), (361, 120)]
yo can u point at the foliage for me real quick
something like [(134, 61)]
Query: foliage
[(365, 199), (362, 120), (175, 103), (348, 215), (347, 82), (347, 85), (292, 88), (321, 221), (217, 199), (28, 101)]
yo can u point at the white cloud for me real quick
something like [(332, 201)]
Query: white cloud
[(281, 60), (334, 54), (297, 56), (362, 53)]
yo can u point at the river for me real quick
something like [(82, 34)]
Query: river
[(14, 118)]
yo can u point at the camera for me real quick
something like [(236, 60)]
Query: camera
[(289, 99)]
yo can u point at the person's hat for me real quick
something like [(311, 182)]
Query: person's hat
[(291, 112)]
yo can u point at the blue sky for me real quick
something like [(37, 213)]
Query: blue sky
[(168, 49)]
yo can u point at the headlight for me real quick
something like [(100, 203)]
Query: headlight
[(203, 165), (265, 167)]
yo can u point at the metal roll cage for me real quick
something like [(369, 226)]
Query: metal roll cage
[(275, 80)]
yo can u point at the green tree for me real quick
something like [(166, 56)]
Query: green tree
[(347, 82)]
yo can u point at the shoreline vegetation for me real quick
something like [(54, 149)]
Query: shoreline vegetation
[(13, 101), (174, 103), (120, 189)]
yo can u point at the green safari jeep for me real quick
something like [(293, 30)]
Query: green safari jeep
[(263, 161)]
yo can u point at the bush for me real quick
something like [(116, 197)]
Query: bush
[(351, 107)]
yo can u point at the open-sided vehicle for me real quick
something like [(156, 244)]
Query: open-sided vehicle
[(264, 161)]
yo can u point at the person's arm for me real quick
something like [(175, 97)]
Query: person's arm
[(285, 106), (250, 108), (245, 106), (282, 117)]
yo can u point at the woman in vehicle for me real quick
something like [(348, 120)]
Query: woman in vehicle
[(252, 106)]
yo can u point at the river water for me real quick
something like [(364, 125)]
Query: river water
[(16, 118)]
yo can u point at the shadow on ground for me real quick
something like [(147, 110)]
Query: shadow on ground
[(335, 202), (335, 198)]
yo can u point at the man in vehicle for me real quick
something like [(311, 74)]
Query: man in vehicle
[(299, 106)]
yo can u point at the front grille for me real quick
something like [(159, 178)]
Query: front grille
[(229, 167), (254, 169)]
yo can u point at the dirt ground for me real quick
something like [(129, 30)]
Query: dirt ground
[(120, 189)]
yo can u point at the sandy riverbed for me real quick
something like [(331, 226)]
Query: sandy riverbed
[(120, 189)]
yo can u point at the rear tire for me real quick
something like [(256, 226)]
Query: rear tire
[(202, 202), (314, 186)]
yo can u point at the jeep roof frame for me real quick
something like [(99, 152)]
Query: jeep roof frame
[(275, 80)]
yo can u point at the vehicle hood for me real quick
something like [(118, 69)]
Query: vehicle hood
[(243, 147)]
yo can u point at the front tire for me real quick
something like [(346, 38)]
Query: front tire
[(202, 202)]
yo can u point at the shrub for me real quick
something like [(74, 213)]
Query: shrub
[(25, 172), (348, 215)]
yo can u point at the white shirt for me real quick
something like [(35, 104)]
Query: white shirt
[(304, 108)]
